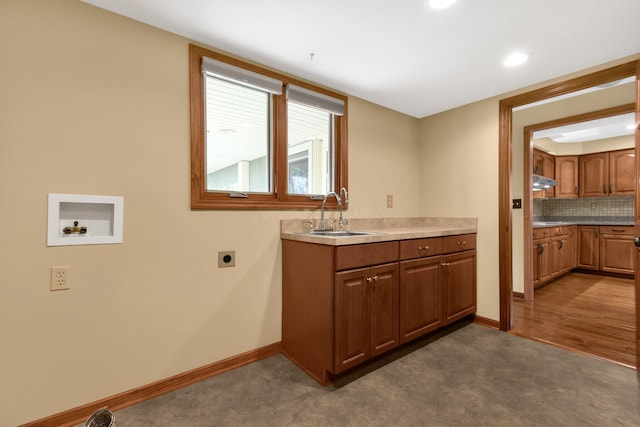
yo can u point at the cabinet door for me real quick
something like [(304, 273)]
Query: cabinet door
[(351, 316), (572, 247), (549, 169), (383, 308), (459, 285), (544, 269), (566, 176), (622, 172), (617, 253), (558, 257), (536, 268), (594, 175), (588, 247), (420, 297)]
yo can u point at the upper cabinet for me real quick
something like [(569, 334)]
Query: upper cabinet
[(544, 164), (607, 174), (622, 172), (566, 176)]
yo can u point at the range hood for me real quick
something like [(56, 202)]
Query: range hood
[(542, 182)]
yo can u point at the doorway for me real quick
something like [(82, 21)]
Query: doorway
[(505, 165)]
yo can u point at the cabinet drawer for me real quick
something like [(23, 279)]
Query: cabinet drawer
[(619, 229), (463, 242), (541, 233), (353, 256), (419, 248)]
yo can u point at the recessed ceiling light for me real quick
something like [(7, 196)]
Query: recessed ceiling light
[(514, 59), (441, 4)]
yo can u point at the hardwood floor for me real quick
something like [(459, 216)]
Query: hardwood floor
[(582, 312)]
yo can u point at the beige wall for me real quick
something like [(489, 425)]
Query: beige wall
[(93, 103), (459, 176)]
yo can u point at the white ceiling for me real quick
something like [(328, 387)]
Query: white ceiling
[(608, 127), (402, 54)]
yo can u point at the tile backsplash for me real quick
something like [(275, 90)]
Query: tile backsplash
[(586, 206)]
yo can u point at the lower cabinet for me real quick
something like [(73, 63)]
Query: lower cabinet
[(342, 305), (588, 247), (617, 251), (459, 284), (554, 253), (436, 290), (366, 314), (421, 297)]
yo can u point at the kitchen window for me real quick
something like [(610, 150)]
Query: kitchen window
[(261, 139)]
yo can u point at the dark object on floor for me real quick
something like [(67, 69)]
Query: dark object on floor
[(101, 418)]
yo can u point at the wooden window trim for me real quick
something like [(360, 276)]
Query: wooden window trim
[(279, 199)]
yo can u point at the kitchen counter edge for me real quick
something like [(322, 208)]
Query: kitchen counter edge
[(413, 228)]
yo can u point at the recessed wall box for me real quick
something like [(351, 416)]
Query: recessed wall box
[(76, 219)]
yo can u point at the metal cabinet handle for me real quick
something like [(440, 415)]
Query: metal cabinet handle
[(462, 242), (618, 230), (445, 264), (425, 248), (540, 248), (561, 245), (636, 241), (375, 278), (576, 189), (369, 279), (604, 189), (610, 188), (596, 232)]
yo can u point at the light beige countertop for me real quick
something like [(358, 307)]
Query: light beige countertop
[(386, 229)]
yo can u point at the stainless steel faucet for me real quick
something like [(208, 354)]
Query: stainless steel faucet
[(324, 202), (345, 202)]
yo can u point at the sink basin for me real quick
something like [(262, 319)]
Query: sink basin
[(339, 233)]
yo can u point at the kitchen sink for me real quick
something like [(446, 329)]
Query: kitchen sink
[(339, 233)]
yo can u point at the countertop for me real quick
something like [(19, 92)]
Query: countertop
[(582, 220), (386, 229)]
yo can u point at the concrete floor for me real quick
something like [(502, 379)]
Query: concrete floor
[(472, 376)]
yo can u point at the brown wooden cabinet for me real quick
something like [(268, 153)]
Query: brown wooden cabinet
[(366, 314), (544, 164), (617, 251), (607, 174), (553, 252), (436, 290), (459, 285), (622, 172), (572, 247), (567, 176), (420, 297), (344, 304), (588, 247)]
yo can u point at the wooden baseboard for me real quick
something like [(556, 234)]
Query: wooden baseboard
[(484, 321), (518, 294), (80, 414)]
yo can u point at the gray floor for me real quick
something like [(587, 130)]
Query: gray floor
[(472, 376)]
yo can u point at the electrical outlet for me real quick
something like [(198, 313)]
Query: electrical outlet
[(389, 200), (60, 277)]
